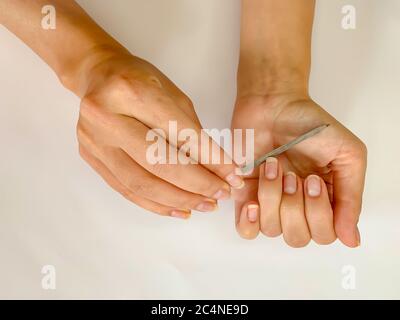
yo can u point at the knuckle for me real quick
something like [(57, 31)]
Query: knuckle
[(87, 141), (182, 201), (126, 85), (88, 105), (209, 187), (271, 195), (351, 209), (127, 194), (189, 202), (83, 137), (360, 151), (154, 81), (139, 188), (187, 102), (80, 132), (261, 195), (92, 110), (158, 169), (363, 150), (120, 82)]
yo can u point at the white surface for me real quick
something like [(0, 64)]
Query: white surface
[(55, 210)]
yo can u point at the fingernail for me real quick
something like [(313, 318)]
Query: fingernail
[(358, 237), (313, 186), (235, 181), (252, 212), (271, 168), (181, 214), (290, 183), (207, 205), (222, 194)]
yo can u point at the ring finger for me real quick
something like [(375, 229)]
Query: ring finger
[(269, 197)]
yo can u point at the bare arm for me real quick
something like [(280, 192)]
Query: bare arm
[(275, 45), (70, 49)]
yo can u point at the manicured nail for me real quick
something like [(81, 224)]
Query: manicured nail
[(181, 214), (313, 186), (252, 212), (235, 181), (358, 237), (222, 194), (271, 168), (290, 183), (207, 205)]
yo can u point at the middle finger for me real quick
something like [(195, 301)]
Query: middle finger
[(293, 220)]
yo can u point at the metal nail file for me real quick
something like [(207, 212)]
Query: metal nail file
[(283, 148)]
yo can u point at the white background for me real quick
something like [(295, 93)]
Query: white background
[(55, 210)]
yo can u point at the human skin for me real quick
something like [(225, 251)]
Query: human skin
[(122, 98), (313, 191)]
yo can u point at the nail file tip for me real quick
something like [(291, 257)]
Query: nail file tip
[(315, 130)]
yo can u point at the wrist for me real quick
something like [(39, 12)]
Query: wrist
[(264, 76), (79, 44), (75, 75)]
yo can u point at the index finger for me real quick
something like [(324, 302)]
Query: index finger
[(162, 112)]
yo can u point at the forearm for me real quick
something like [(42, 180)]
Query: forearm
[(275, 46), (70, 49)]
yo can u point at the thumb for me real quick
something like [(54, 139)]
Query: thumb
[(348, 186)]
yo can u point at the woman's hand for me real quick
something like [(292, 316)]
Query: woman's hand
[(123, 98), (314, 190)]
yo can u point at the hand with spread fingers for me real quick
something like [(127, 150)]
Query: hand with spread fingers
[(313, 190)]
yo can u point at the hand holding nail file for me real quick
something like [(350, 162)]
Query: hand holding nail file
[(283, 148)]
